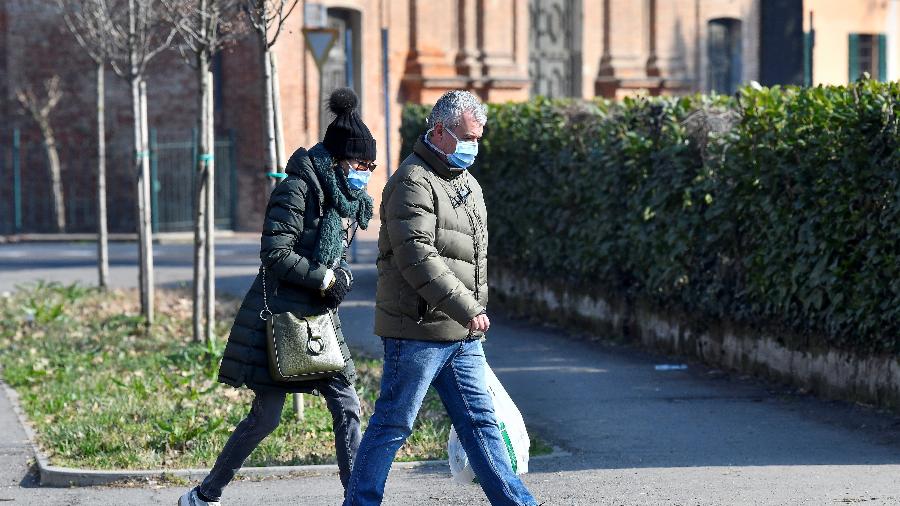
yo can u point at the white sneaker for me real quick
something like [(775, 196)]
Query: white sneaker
[(192, 499)]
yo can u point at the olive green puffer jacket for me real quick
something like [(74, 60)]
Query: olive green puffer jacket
[(432, 263), (293, 280)]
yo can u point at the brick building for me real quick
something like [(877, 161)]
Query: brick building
[(501, 49)]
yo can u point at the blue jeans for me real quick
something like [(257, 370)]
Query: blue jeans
[(456, 369), (264, 416)]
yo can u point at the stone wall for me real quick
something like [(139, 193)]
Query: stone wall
[(830, 373)]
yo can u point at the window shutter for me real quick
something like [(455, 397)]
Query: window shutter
[(882, 57), (854, 57)]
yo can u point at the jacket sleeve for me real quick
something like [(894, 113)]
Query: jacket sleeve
[(281, 230), (411, 225)]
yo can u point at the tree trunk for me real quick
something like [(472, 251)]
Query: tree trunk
[(59, 204), (134, 78), (276, 112), (146, 222), (102, 232), (268, 109), (139, 196), (209, 128), (200, 209)]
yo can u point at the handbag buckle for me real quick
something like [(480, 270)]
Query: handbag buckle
[(264, 316), (315, 345)]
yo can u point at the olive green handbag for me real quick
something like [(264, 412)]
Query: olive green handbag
[(301, 347)]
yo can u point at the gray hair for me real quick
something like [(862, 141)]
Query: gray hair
[(450, 108)]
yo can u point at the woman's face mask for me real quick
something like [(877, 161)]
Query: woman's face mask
[(358, 179), (464, 154)]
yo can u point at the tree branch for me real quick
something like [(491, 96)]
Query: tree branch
[(40, 108)]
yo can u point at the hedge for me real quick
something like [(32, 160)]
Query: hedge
[(776, 208)]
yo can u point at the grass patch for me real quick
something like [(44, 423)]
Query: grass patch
[(103, 393)]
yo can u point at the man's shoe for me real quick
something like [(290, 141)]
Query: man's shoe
[(192, 499)]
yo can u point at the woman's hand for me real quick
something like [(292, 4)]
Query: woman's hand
[(335, 293)]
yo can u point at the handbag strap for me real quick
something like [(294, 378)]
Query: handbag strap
[(265, 299)]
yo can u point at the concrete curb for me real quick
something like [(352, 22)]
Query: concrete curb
[(55, 476)]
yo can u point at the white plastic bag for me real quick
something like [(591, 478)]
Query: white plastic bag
[(512, 430)]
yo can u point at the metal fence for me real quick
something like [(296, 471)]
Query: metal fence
[(26, 205)]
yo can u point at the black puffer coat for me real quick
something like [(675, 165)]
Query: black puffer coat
[(293, 281)]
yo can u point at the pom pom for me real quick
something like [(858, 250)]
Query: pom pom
[(342, 101)]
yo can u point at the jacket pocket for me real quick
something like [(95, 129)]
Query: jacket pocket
[(421, 308), (408, 304)]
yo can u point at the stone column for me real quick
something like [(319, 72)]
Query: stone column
[(468, 58), (671, 45), (625, 47), (502, 32), (433, 40)]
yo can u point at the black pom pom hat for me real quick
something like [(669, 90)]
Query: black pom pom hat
[(347, 136)]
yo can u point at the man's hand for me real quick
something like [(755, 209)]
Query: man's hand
[(480, 323)]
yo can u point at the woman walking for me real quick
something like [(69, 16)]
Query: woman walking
[(304, 271)]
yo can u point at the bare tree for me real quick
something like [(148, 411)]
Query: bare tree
[(39, 108), (205, 26), (267, 17), (138, 34), (89, 24)]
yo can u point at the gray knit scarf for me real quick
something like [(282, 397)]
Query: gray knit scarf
[(341, 201)]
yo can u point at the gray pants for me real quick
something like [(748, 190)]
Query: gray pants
[(264, 416)]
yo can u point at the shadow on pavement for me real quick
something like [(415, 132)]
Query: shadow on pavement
[(608, 406)]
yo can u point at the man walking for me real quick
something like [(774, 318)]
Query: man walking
[(430, 307)]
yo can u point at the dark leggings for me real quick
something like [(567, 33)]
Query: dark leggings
[(264, 416)]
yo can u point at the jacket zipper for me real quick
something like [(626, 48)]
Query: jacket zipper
[(478, 232), (477, 235)]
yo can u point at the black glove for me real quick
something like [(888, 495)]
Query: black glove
[(334, 294)]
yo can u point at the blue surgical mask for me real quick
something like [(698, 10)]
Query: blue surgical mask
[(358, 179), (465, 153)]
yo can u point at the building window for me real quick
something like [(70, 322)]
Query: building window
[(344, 63), (868, 53), (723, 69)]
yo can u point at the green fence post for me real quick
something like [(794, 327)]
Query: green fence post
[(232, 168), (195, 148), (154, 181), (17, 179)]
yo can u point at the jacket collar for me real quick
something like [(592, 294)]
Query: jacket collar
[(299, 163), (301, 166), (435, 161)]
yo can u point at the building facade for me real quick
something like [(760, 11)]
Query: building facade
[(394, 52), (843, 42)]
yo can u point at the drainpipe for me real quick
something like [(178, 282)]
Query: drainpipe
[(893, 40)]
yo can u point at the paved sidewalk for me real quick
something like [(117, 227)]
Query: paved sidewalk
[(637, 436)]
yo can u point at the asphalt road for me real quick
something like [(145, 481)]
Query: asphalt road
[(633, 435)]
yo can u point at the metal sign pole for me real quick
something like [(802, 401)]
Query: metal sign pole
[(319, 41)]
